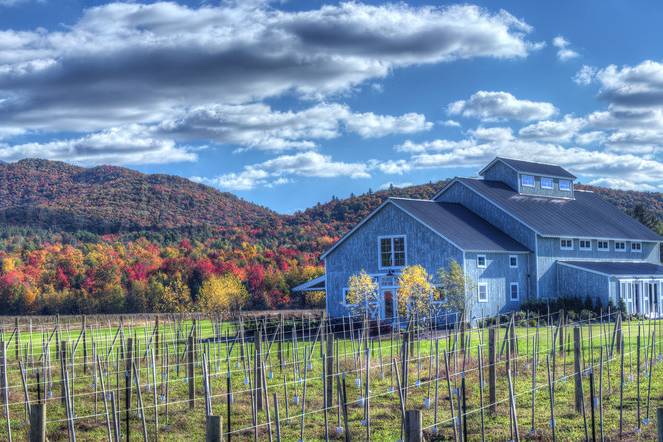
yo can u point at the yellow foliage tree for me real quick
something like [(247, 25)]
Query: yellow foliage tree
[(415, 291), (456, 289), (223, 294), (362, 292)]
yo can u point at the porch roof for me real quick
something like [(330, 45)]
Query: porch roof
[(619, 268), (316, 284)]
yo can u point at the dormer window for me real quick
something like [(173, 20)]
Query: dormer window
[(565, 185), (566, 244), (546, 183), (527, 180)]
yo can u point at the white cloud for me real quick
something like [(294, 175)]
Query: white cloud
[(585, 75), (498, 106), (592, 137), (370, 125), (492, 133), (122, 145), (389, 185), (449, 123), (278, 170), (564, 53), (559, 131), (638, 86), (617, 183), (258, 126)]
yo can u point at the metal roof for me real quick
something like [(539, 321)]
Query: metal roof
[(532, 168), (585, 216), (460, 226), (618, 268)]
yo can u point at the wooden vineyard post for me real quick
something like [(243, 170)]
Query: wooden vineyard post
[(492, 371), (38, 423), (127, 385), (329, 377), (213, 429), (17, 337), (257, 362), (659, 423), (84, 335), (191, 373), (413, 431), (576, 367)]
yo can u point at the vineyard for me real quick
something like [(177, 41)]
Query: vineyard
[(298, 376)]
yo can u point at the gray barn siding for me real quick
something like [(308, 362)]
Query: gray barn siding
[(360, 251), (501, 172), (579, 283), (538, 190), (549, 252), (459, 193), (499, 276)]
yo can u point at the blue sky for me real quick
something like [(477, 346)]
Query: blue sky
[(289, 103)]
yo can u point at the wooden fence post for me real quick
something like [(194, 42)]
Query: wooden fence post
[(576, 367), (257, 360), (659, 418), (492, 371), (213, 429), (329, 379), (191, 373), (38, 423), (84, 327), (413, 432)]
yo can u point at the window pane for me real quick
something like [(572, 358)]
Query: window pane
[(546, 183), (564, 185), (385, 252), (399, 252), (527, 180)]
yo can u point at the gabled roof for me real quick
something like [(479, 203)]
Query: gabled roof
[(459, 225), (529, 167), (453, 222), (619, 268), (586, 216)]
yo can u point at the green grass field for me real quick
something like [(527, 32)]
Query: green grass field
[(181, 423)]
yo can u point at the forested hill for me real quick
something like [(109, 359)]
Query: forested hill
[(110, 199)]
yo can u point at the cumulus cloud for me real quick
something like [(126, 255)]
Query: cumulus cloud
[(556, 131), (492, 133), (632, 86), (258, 126), (564, 53), (123, 145), (585, 75), (498, 106), (278, 170), (124, 63)]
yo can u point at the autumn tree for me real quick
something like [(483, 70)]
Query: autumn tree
[(362, 293), (457, 291), (415, 292), (222, 294)]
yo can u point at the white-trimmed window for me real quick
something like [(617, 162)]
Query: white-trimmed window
[(620, 246), (566, 244), (602, 246), (546, 183), (481, 261), (482, 292), (392, 251), (585, 244), (527, 180), (565, 185), (513, 261), (636, 247), (514, 291)]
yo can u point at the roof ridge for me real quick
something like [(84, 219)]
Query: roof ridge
[(409, 199), (531, 162)]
